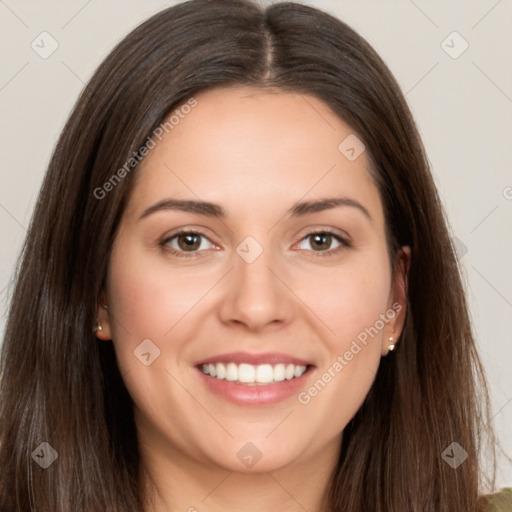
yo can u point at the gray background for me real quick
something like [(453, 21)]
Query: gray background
[(462, 102)]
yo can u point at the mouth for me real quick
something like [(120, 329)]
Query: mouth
[(253, 375), (254, 379)]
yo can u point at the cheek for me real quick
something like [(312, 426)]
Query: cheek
[(351, 303), (148, 296), (147, 300), (348, 300)]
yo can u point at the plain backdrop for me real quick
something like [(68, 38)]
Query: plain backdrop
[(458, 86)]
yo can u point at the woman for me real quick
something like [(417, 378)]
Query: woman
[(238, 289)]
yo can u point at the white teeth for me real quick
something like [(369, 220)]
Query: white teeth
[(221, 371), (253, 374), (264, 373), (231, 371), (279, 373), (246, 373)]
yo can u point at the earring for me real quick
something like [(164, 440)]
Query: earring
[(392, 346), (98, 330)]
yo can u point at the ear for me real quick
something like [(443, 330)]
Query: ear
[(397, 299), (103, 318)]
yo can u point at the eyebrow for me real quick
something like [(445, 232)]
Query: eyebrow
[(215, 210), (307, 207)]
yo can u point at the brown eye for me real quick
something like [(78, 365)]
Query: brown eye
[(189, 241), (320, 241), (323, 243)]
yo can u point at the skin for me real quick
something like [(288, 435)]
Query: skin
[(256, 153)]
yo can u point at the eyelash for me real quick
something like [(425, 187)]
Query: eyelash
[(181, 254), (345, 244)]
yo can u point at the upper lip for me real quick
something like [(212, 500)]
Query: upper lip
[(254, 359)]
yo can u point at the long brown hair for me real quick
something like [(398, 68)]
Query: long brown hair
[(60, 385)]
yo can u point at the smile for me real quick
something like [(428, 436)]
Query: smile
[(253, 374)]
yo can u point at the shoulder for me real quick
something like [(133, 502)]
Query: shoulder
[(500, 501)]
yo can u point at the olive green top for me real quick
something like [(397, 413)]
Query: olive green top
[(501, 501)]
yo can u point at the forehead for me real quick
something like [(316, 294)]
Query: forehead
[(242, 145)]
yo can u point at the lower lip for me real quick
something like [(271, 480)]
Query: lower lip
[(259, 394)]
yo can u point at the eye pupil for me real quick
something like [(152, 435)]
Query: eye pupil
[(321, 241), (189, 241)]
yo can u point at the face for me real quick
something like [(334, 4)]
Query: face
[(252, 247)]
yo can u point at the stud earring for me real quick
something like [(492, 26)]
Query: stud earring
[(98, 330), (392, 346)]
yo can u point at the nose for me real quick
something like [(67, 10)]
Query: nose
[(255, 295)]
